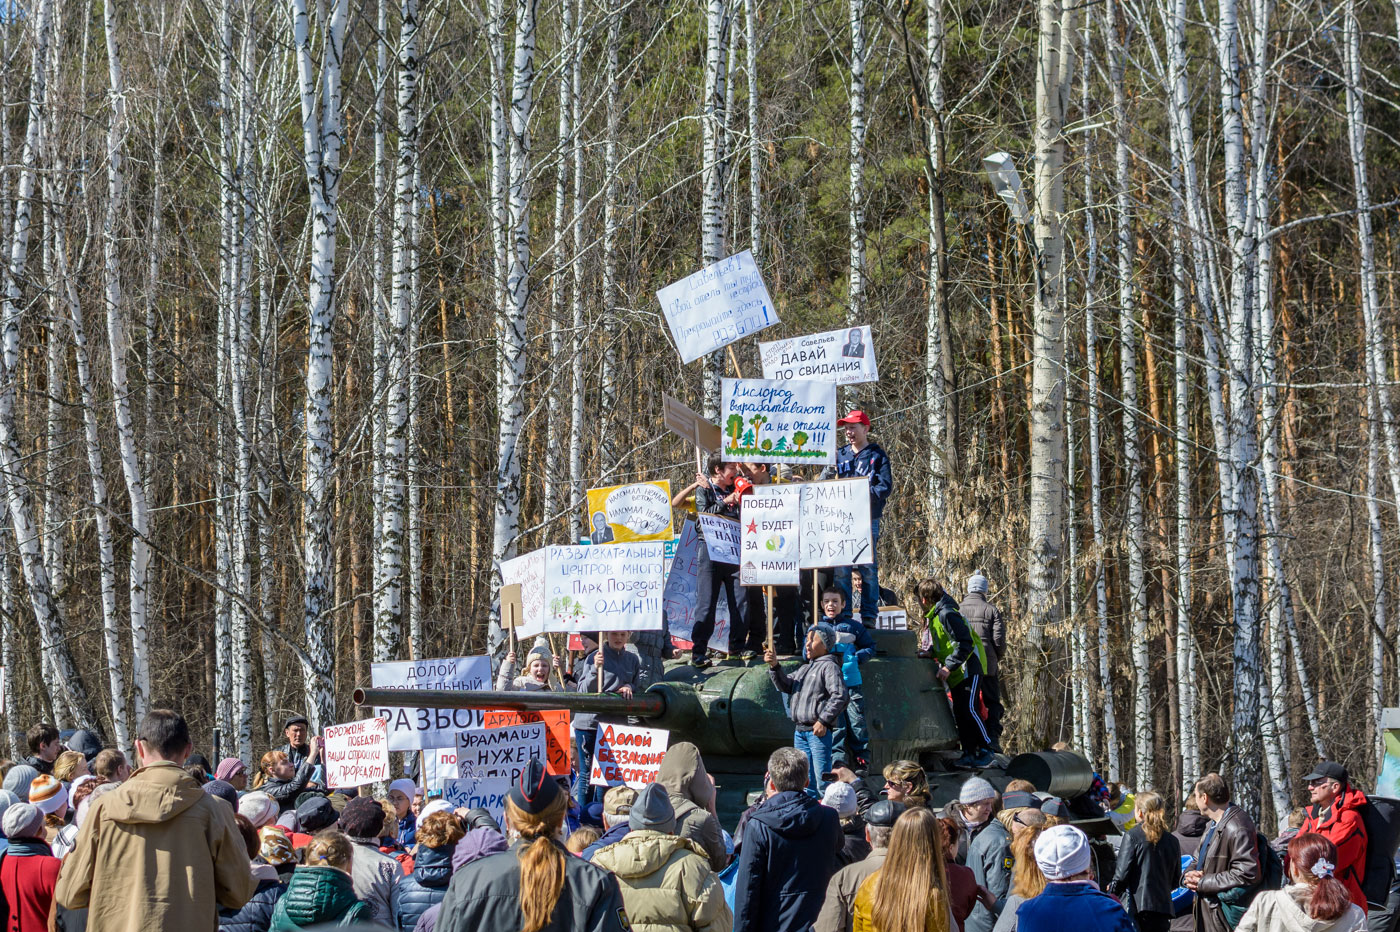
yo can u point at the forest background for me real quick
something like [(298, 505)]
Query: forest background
[(313, 314)]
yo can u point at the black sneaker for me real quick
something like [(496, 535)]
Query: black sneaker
[(701, 663), (749, 655)]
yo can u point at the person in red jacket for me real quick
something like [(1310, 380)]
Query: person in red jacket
[(28, 871), (1334, 814)]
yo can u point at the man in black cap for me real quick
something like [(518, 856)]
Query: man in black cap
[(838, 910), (1335, 814), (298, 746)]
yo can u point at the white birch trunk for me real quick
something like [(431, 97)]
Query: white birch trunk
[(714, 205), (554, 478), (938, 349), (855, 304), (380, 314), (322, 139), (756, 153), (576, 341), (1079, 644), (608, 374)]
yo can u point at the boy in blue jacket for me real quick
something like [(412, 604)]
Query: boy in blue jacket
[(1071, 899), (854, 646)]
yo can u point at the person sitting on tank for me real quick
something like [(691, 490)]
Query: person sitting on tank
[(854, 646), (819, 698), (611, 668), (536, 676), (958, 651)]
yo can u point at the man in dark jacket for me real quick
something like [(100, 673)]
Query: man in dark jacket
[(789, 853), (1228, 859), (959, 656), (612, 668), (818, 699), (985, 620), (44, 747), (716, 495), (862, 457), (298, 746)]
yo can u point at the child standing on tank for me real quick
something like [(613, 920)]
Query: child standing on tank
[(959, 653), (854, 646), (818, 699)]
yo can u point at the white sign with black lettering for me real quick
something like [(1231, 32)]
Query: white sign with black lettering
[(721, 537), (487, 793), (499, 752), (835, 524), (413, 729), (769, 516), (717, 305), (846, 357)]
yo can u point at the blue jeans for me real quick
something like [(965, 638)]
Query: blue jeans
[(850, 735), (869, 583), (818, 751), (584, 738)]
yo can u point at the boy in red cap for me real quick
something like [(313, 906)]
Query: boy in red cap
[(862, 457)]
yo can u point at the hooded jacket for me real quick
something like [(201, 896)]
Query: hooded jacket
[(683, 773), (28, 873), (476, 844), (989, 856), (1078, 906), (318, 896), (415, 893), (666, 884), (373, 874), (1286, 911), (256, 914), (485, 895), (789, 855), (85, 743), (1342, 826), (1190, 827), (157, 853), (818, 691)]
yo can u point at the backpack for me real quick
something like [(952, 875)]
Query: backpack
[(1381, 816), (1235, 901)]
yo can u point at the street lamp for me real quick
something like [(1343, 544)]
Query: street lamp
[(1006, 182)]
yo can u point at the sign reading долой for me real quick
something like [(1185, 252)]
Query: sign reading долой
[(418, 729), (769, 515), (778, 422), (679, 598), (717, 305), (499, 752), (628, 754), (846, 357), (590, 589), (357, 753), (624, 514)]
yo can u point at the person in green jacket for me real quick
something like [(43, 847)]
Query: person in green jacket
[(959, 653), (320, 893)]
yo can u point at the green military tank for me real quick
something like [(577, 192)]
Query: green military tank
[(735, 716)]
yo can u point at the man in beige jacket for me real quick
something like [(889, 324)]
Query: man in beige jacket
[(157, 852), (837, 913)]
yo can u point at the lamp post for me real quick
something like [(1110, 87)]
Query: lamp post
[(1006, 182)]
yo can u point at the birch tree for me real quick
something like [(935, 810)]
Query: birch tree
[(320, 91), (855, 301), (941, 385), (714, 205)]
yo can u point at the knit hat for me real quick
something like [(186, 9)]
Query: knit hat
[(841, 797), (18, 779), (437, 805), (977, 583), (258, 808), (276, 847), (1061, 852), (541, 650), (827, 633), (618, 801), (405, 786), (229, 768), (653, 810), (222, 790), (363, 818), (23, 820), (316, 814), (535, 790), (7, 799), (974, 790), (48, 793)]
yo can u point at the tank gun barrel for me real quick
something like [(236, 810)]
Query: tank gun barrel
[(642, 705)]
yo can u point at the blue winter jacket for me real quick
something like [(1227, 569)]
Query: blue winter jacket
[(414, 893), (870, 461), (610, 837), (407, 835), (1078, 906), (789, 853), (256, 914)]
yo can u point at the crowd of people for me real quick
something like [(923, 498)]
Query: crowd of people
[(90, 843)]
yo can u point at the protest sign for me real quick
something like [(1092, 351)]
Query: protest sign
[(623, 514), (679, 598), (415, 729), (846, 357), (892, 619), (721, 537), (835, 523), (769, 515), (556, 737), (439, 765), (717, 305), (778, 422), (357, 753), (528, 572), (627, 754), (499, 752), (688, 425), (487, 793), (594, 589)]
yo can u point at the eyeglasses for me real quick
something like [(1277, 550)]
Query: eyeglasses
[(1320, 781)]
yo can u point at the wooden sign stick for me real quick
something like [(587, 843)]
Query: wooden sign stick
[(768, 597)]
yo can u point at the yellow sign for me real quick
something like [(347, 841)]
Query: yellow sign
[(625, 514)]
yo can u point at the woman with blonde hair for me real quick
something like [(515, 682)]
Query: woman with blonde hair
[(910, 892), (1149, 866), (320, 892), (534, 885), (906, 782), (1027, 882)]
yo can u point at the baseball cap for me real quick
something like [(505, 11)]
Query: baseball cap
[(855, 417), (1329, 770)]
